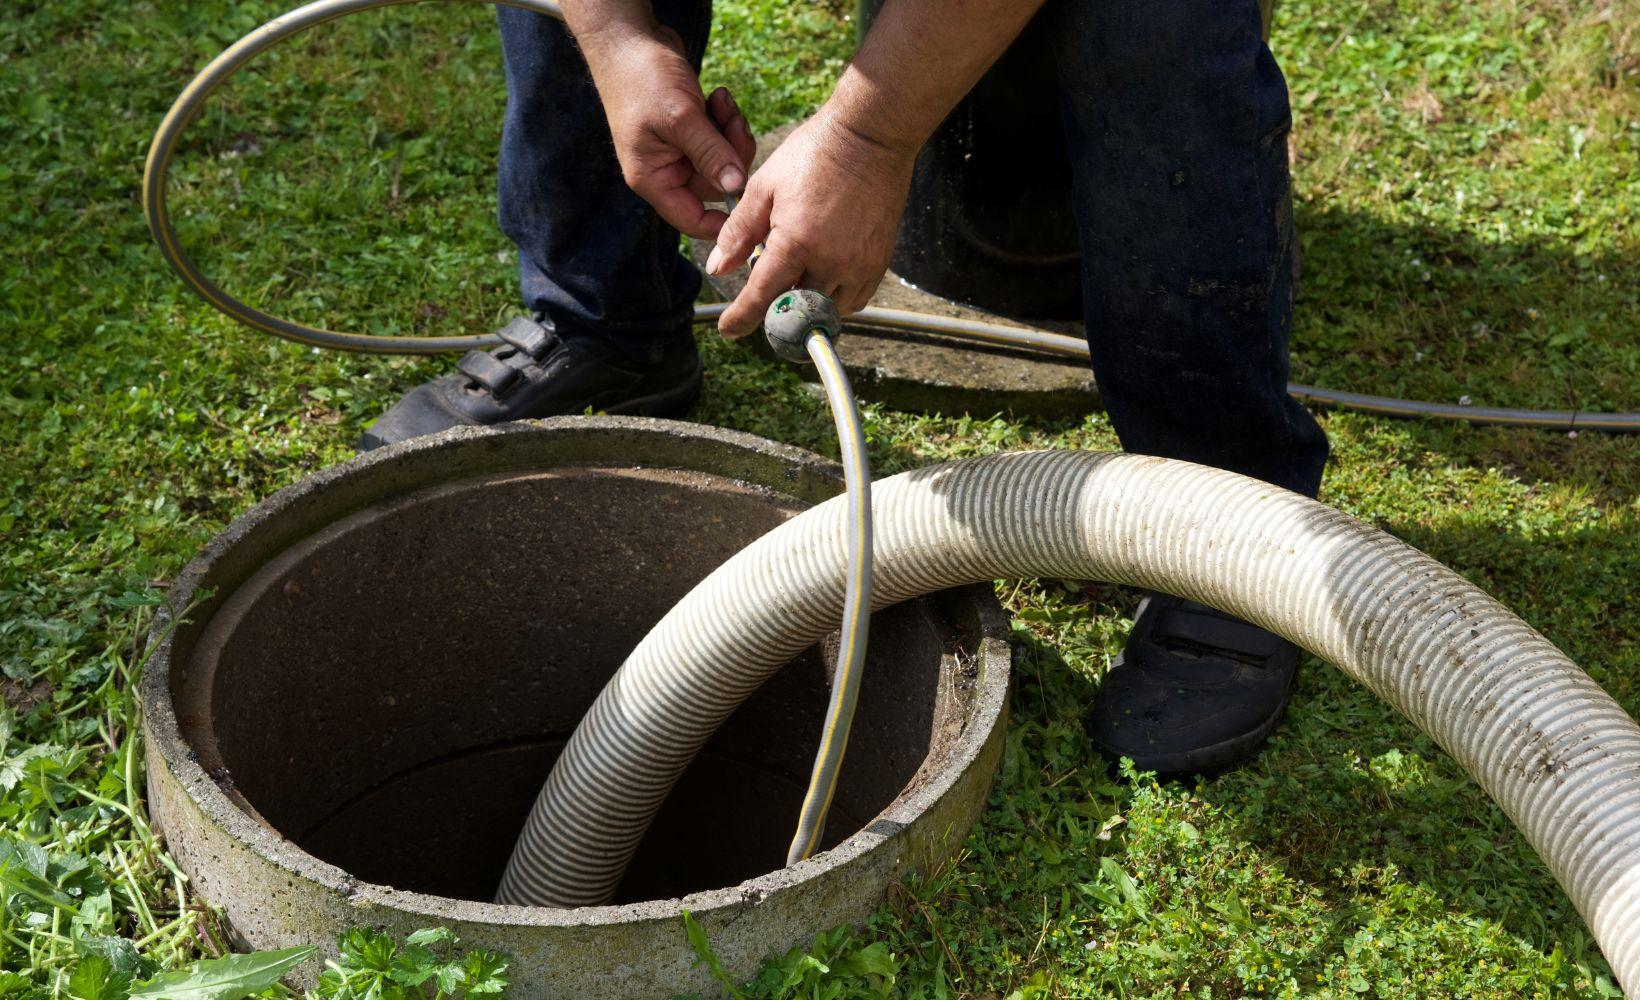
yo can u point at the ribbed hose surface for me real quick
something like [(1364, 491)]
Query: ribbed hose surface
[(1555, 751)]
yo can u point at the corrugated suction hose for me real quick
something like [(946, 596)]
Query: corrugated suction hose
[(1555, 751)]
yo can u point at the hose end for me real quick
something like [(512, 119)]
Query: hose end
[(795, 315)]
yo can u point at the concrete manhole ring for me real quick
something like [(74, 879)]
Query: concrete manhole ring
[(349, 727)]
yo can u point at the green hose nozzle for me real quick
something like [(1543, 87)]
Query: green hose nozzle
[(795, 315)]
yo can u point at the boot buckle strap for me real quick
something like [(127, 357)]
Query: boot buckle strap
[(496, 377), (529, 336)]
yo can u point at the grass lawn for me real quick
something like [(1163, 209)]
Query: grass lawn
[(1468, 181)]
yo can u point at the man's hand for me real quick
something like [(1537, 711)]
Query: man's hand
[(677, 149), (826, 205), (830, 198)]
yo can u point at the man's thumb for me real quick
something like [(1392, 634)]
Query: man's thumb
[(713, 156)]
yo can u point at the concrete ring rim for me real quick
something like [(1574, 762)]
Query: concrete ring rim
[(164, 739)]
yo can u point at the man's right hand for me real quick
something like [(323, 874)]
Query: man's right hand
[(677, 149)]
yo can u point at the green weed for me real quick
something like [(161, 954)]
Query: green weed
[(837, 965), (427, 966), (370, 965)]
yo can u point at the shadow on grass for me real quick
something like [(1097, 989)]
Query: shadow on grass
[(1516, 324), (1422, 311)]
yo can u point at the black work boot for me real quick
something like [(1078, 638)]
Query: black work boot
[(1195, 691), (536, 373)]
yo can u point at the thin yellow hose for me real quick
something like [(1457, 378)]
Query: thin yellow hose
[(851, 652)]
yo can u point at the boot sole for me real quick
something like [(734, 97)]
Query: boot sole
[(1205, 762), (674, 402), (1208, 761)]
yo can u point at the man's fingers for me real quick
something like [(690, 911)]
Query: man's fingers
[(857, 297), (740, 135), (702, 187), (685, 212), (653, 179), (707, 164), (721, 105), (733, 125), (747, 226), (668, 187), (830, 289), (692, 132), (776, 271)]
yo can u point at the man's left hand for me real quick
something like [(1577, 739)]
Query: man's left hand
[(826, 205)]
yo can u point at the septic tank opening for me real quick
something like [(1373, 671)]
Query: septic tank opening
[(390, 692)]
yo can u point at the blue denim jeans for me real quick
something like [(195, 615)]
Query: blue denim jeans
[(593, 257), (1176, 118)]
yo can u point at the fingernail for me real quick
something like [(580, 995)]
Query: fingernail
[(714, 260), (731, 179)]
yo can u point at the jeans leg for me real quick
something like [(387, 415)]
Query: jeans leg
[(1176, 117), (593, 257)]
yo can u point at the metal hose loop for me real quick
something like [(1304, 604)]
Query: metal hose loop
[(188, 104), (183, 111)]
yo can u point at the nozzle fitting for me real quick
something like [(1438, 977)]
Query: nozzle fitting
[(795, 315)]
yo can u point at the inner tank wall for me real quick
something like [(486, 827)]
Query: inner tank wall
[(443, 646)]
